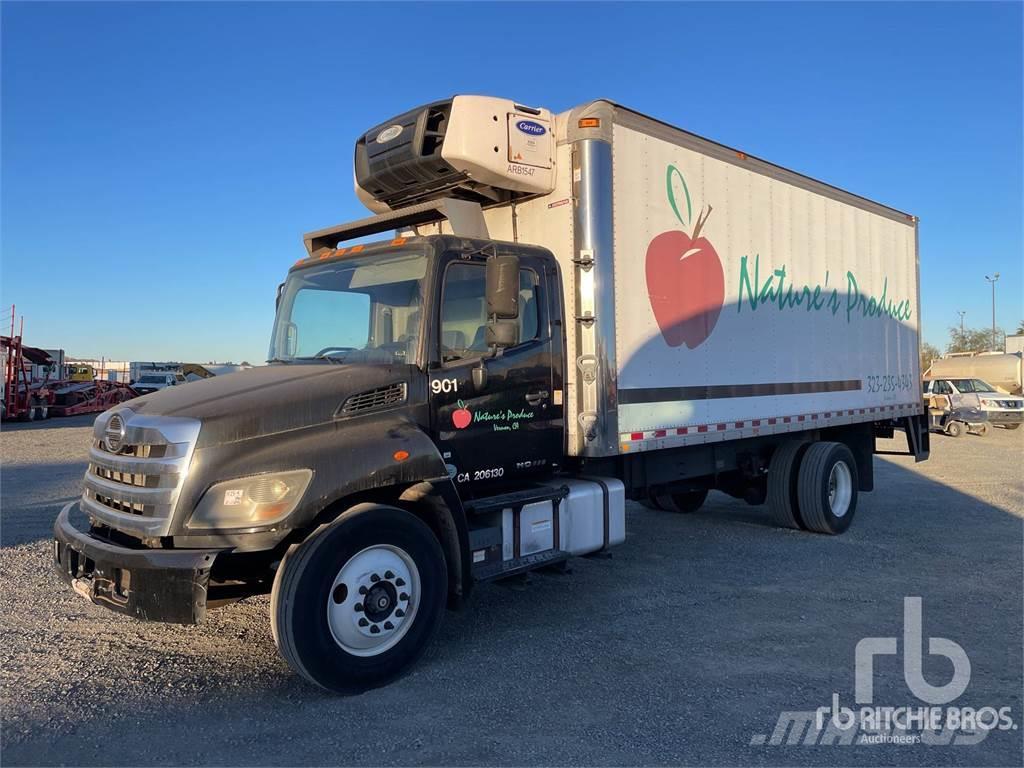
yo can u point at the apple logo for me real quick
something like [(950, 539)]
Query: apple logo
[(462, 416), (685, 281)]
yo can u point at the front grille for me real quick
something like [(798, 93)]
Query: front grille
[(138, 451), (382, 397), (127, 508), (127, 478), (135, 488)]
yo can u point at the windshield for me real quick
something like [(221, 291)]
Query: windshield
[(152, 379), (363, 310), (966, 386)]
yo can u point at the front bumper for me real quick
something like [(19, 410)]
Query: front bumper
[(151, 584), (1005, 417)]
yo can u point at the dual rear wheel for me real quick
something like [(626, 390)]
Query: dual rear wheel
[(813, 486)]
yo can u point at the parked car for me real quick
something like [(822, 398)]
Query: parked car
[(1000, 409), (151, 382)]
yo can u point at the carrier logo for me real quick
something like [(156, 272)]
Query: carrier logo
[(531, 128), (389, 133)]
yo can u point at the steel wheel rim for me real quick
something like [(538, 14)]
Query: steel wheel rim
[(840, 489), (373, 600)]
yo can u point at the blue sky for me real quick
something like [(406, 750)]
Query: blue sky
[(161, 161)]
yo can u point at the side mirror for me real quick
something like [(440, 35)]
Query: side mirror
[(502, 288), (502, 293), (277, 301), (502, 333)]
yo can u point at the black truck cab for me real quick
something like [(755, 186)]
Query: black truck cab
[(421, 374)]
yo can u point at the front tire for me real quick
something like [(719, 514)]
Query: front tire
[(1011, 426), (955, 429), (356, 604), (827, 488)]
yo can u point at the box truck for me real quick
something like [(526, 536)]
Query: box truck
[(559, 312)]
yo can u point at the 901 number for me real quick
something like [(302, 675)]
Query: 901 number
[(444, 386)]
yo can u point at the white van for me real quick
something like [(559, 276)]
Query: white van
[(151, 382)]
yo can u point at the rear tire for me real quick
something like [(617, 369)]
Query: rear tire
[(376, 570), (981, 430), (783, 469), (663, 502), (1011, 426), (690, 501), (827, 488)]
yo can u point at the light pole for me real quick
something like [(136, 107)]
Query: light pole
[(993, 279), (961, 313)]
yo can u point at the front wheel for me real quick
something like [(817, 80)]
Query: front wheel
[(357, 603), (955, 429)]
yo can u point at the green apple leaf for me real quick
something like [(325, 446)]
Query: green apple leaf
[(670, 171)]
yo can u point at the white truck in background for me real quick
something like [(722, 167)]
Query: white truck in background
[(575, 309)]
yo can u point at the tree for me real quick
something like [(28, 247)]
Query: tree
[(929, 352), (1020, 328), (974, 340)]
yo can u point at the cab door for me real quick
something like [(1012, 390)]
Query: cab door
[(509, 425)]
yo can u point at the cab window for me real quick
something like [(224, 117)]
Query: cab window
[(464, 311)]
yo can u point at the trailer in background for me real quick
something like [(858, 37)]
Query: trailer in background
[(1001, 370), (73, 398), (24, 397)]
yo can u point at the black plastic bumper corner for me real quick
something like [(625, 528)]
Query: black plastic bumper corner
[(152, 584)]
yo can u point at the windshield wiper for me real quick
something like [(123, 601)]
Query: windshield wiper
[(279, 360)]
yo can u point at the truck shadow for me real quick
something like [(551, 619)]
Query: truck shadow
[(693, 638)]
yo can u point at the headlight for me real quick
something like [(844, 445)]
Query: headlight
[(251, 501), (987, 402)]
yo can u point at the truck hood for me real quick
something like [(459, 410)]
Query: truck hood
[(268, 399)]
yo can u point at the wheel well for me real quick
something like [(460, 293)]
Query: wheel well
[(860, 439), (427, 502)]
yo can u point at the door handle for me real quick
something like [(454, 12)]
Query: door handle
[(535, 398)]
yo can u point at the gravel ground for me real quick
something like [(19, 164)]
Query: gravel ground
[(684, 648)]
